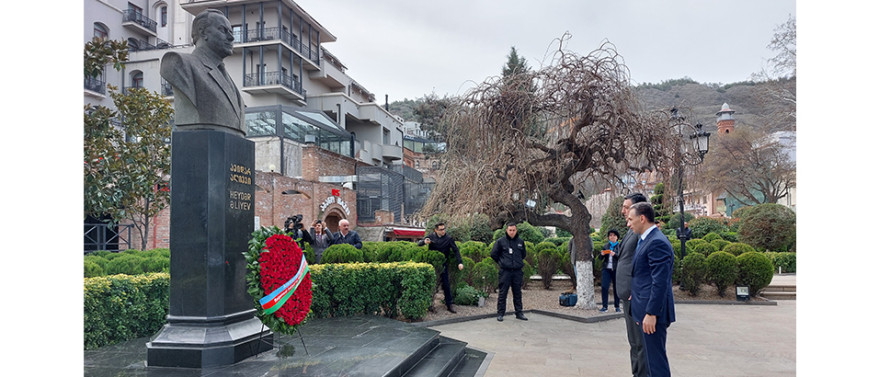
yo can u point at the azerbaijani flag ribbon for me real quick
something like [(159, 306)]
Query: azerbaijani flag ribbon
[(275, 300)]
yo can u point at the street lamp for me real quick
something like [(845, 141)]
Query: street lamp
[(699, 138)]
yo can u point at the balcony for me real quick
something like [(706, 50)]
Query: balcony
[(274, 34), (135, 44), (95, 85), (134, 20), (392, 152), (274, 83)]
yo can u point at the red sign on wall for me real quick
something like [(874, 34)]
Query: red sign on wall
[(336, 192)]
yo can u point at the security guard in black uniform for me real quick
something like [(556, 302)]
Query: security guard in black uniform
[(509, 253)]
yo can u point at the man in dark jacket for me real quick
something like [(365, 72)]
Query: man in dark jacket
[(346, 235), (509, 253), (442, 242)]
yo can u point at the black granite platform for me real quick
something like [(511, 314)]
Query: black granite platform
[(353, 346)]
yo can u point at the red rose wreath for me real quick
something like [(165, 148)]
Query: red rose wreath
[(278, 279)]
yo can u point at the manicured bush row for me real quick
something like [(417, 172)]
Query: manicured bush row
[(121, 307), (388, 289)]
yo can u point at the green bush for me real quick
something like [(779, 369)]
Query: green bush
[(557, 241), (691, 244), (562, 233), (544, 245), (466, 295), (704, 225), (389, 289), (370, 251), (755, 271), (485, 276), (693, 270), (475, 250), (786, 260), (127, 264), (769, 227), (674, 222), (120, 307), (613, 218), (342, 253), (703, 248), (730, 236), (465, 276), (547, 264), (738, 248), (527, 272), (711, 237), (92, 269), (565, 264), (720, 243), (722, 270)]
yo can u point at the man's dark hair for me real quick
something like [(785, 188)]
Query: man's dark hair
[(636, 197), (439, 224), (511, 223), (644, 208)]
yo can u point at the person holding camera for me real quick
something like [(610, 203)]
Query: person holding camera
[(293, 228)]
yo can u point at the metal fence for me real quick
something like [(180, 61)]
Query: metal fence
[(400, 190), (101, 236)]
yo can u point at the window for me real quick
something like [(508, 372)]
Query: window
[(135, 12), (101, 31), (386, 137), (163, 12), (137, 79), (236, 33)]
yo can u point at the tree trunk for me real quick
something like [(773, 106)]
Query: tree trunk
[(585, 285)]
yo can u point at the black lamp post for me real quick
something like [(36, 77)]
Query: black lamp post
[(699, 138)]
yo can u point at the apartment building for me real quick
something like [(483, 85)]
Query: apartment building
[(312, 124)]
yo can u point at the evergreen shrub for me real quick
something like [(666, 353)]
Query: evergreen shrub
[(711, 237), (786, 260), (738, 248), (342, 253), (547, 265), (755, 271), (701, 226), (466, 295), (769, 227), (693, 270), (720, 243), (722, 270), (703, 248)]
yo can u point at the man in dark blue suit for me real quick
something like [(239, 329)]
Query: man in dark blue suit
[(652, 298)]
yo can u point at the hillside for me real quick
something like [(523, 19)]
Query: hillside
[(703, 100)]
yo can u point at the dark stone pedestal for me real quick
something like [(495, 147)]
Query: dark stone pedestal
[(211, 320)]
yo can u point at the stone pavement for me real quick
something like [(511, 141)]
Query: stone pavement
[(706, 340)]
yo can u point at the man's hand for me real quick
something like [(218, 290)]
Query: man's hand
[(460, 266), (649, 324), (427, 240)]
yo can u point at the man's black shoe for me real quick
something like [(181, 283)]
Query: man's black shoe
[(452, 308), (521, 316), (500, 317)]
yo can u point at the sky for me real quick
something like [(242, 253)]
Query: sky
[(406, 49)]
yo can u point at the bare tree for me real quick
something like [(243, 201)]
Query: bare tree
[(519, 143), (750, 167), (779, 91)]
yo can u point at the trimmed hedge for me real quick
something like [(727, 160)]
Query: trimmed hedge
[(388, 289), (547, 265), (342, 253), (121, 307)]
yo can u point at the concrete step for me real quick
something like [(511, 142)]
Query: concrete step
[(775, 295), (441, 361), (781, 288)]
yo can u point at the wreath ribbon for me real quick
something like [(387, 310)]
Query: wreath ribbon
[(275, 300)]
